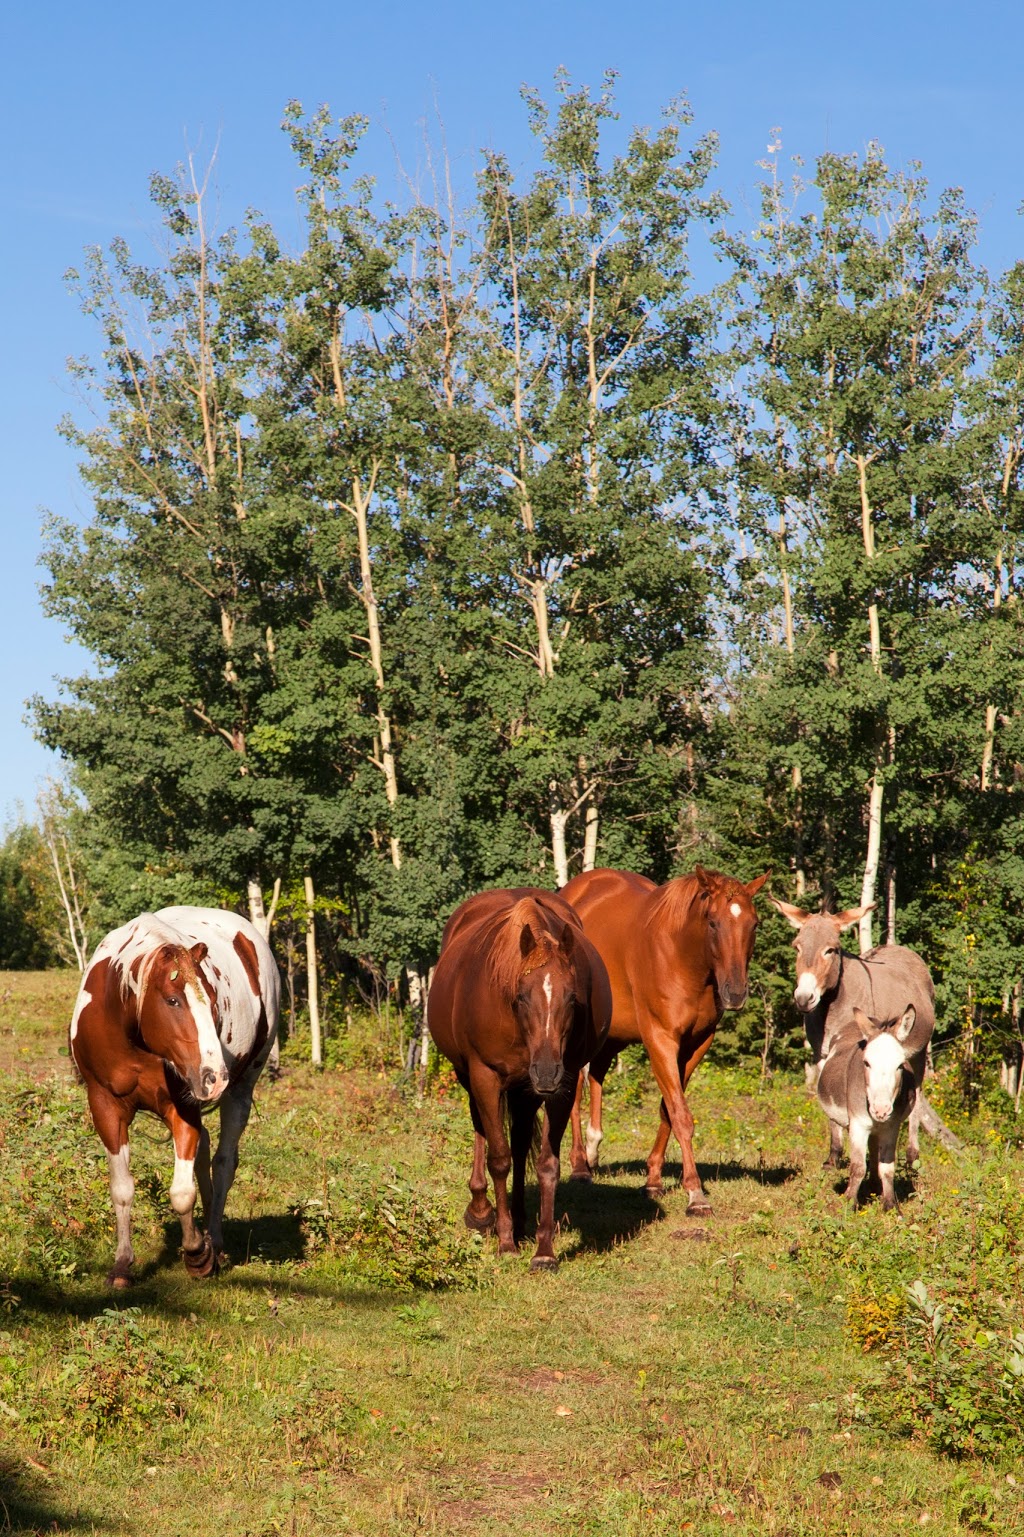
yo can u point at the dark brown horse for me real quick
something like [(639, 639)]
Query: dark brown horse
[(677, 957), (177, 1010), (519, 1001)]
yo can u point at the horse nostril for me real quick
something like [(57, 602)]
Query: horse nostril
[(208, 1080)]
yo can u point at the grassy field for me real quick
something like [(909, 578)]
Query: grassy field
[(368, 1367)]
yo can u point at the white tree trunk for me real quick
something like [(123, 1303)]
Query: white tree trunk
[(314, 1003), (590, 835)]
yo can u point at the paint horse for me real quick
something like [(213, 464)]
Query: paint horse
[(519, 1001), (177, 1011), (677, 958), (831, 983), (869, 1083)]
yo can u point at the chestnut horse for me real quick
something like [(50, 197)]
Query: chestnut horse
[(519, 1001), (677, 957), (177, 1010)]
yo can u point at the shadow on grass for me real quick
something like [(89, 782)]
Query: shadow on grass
[(904, 1186), (767, 1174), (26, 1505)]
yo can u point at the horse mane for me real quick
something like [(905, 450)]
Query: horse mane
[(147, 937), (505, 960), (674, 901)]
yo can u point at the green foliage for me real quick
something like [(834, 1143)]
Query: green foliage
[(385, 1233)]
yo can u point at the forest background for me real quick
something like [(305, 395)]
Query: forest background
[(475, 542)]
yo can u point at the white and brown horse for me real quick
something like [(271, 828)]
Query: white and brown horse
[(177, 1010)]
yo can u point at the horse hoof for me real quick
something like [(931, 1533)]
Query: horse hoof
[(585, 1176), (544, 1262), (201, 1262), (654, 1191), (508, 1247), (119, 1280), (478, 1224)]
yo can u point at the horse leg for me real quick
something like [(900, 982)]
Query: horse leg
[(578, 1157), (656, 1157), (198, 1250), (235, 1108), (595, 1136), (203, 1177), (556, 1113), (522, 1116), (487, 1095), (112, 1120), (664, 1055)]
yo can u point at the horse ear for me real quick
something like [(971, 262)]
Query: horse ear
[(906, 1023), (851, 916), (753, 887), (703, 879), (796, 915), (198, 953), (567, 940), (527, 943)]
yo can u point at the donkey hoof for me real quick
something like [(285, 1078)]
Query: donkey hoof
[(544, 1262), (480, 1223), (201, 1262), (120, 1280)]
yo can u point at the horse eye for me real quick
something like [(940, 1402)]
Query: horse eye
[(173, 1001)]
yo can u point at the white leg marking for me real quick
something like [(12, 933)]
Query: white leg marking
[(122, 1191), (594, 1140)]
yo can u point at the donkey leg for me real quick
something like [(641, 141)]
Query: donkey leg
[(112, 1121), (479, 1214), (913, 1133), (885, 1152), (859, 1135), (487, 1095), (663, 1051), (835, 1146)]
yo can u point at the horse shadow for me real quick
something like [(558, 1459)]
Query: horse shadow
[(27, 1508), (275, 1237), (773, 1175)]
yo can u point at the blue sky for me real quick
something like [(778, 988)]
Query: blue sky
[(95, 99)]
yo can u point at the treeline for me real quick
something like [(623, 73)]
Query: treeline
[(476, 545)]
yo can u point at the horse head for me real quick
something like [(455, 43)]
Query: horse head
[(176, 1019), (884, 1057), (731, 923), (819, 954), (545, 1003)]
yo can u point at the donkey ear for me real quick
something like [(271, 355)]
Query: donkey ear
[(754, 886), (906, 1023), (567, 940), (527, 943), (796, 915), (851, 916), (198, 953), (866, 1025)]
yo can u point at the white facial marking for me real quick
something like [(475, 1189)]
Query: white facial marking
[(210, 1054), (883, 1059), (548, 994), (735, 909)]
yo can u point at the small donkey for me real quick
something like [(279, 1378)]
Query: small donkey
[(869, 1083)]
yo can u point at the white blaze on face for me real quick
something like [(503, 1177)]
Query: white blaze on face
[(807, 993), (211, 1057), (548, 994), (883, 1060)]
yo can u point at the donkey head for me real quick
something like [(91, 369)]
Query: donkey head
[(545, 1004), (884, 1058), (819, 955), (176, 1020), (731, 921)]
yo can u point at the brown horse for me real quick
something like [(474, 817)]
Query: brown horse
[(519, 1001), (677, 957), (177, 1010)]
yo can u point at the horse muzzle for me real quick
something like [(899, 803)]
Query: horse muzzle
[(732, 997), (546, 1078), (208, 1084)]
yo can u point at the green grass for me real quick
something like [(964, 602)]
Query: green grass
[(368, 1367)]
